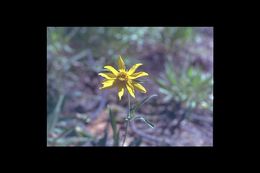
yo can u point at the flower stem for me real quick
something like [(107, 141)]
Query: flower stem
[(127, 119)]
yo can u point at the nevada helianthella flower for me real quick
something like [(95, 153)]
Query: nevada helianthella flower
[(123, 79)]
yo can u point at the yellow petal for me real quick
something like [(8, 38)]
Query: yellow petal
[(108, 84), (137, 75), (130, 89), (120, 91), (139, 87), (112, 69), (133, 69), (107, 75), (129, 82), (121, 64)]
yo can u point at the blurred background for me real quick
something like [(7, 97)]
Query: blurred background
[(179, 61)]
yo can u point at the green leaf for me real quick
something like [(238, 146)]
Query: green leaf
[(165, 91), (184, 33), (188, 33), (53, 118), (190, 72), (116, 139), (170, 73), (161, 83), (145, 120), (115, 131)]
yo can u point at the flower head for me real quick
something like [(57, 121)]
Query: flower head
[(123, 79)]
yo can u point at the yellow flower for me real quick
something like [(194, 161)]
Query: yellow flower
[(123, 79)]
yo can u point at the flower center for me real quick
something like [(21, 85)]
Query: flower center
[(122, 76)]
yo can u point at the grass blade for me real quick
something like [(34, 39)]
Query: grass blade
[(115, 131), (53, 118)]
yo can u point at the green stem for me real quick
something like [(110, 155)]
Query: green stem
[(128, 116)]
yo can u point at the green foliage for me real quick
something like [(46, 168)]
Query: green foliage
[(170, 36), (111, 41), (191, 87), (53, 117), (114, 127)]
